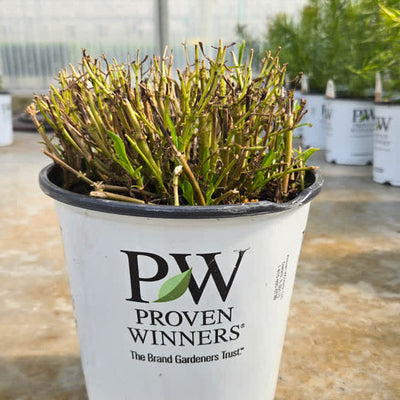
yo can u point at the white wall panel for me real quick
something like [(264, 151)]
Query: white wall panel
[(39, 37)]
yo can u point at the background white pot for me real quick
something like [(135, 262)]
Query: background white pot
[(386, 166), (313, 136), (349, 128), (6, 132), (222, 339)]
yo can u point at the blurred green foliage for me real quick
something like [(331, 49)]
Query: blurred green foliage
[(391, 57), (344, 40)]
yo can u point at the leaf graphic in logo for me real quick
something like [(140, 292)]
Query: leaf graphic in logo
[(174, 287)]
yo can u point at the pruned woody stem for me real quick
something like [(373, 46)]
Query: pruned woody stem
[(210, 134)]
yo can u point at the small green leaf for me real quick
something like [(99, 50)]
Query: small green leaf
[(121, 156), (241, 52), (174, 287), (308, 153), (363, 118), (269, 159), (258, 181), (210, 193), (187, 191), (172, 129)]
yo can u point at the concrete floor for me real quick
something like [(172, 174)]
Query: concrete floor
[(343, 337)]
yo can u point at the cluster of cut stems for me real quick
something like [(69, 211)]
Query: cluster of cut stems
[(207, 135)]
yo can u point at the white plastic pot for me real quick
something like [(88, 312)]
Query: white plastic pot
[(349, 128), (222, 339), (386, 166), (6, 132), (313, 136)]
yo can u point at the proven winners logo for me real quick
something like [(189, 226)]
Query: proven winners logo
[(176, 286), (154, 325)]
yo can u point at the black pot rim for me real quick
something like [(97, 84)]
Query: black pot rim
[(166, 211), (387, 103), (319, 94), (359, 99)]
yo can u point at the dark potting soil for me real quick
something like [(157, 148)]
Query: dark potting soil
[(68, 181)]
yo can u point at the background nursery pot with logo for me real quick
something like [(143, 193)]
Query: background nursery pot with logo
[(387, 144), (314, 135), (386, 167), (349, 128), (181, 288), (6, 130)]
